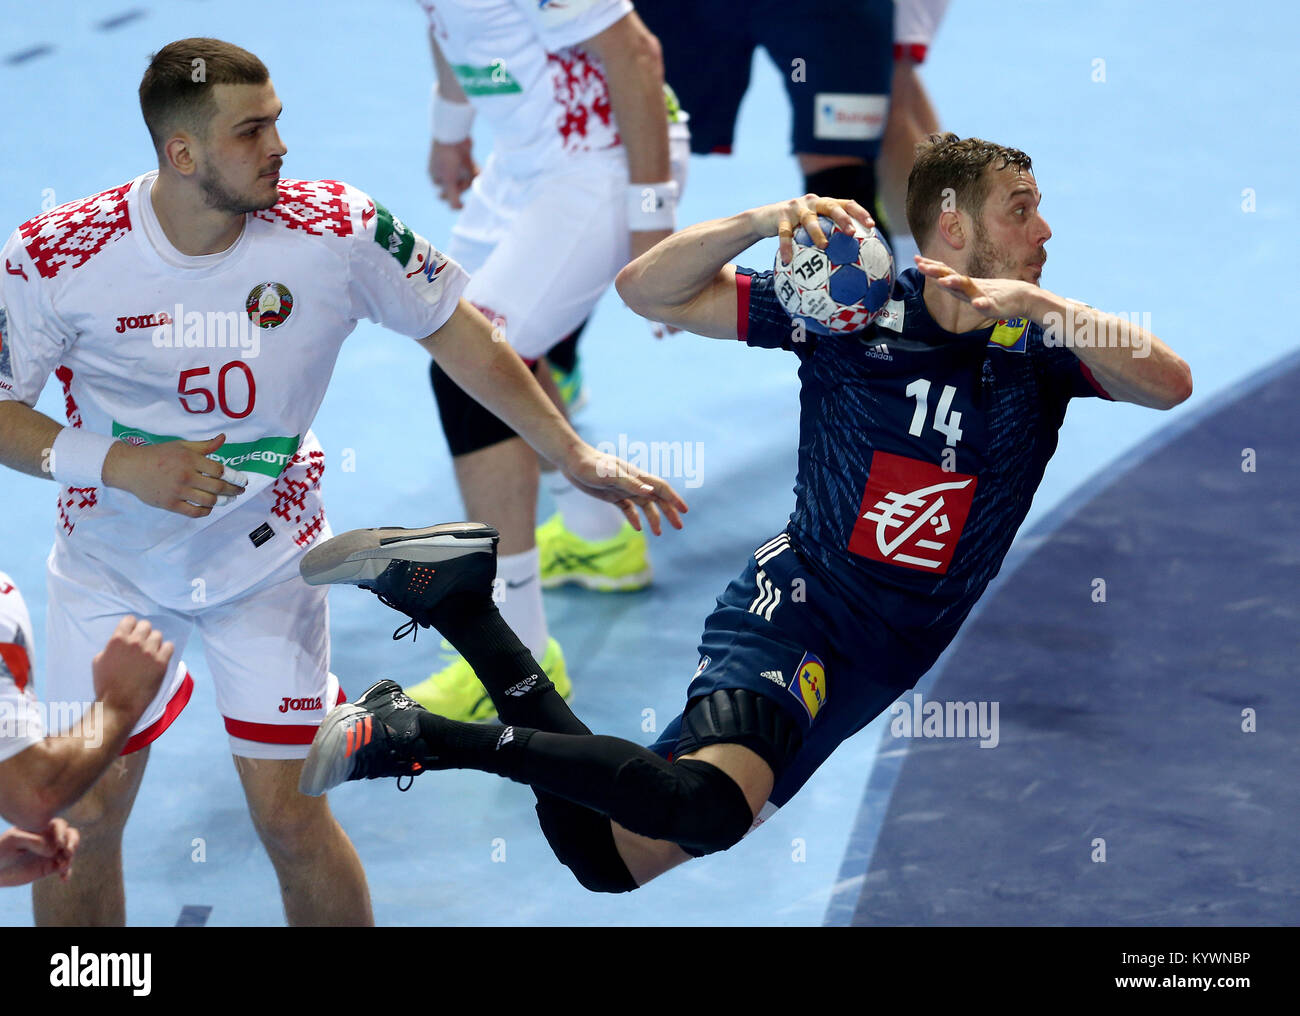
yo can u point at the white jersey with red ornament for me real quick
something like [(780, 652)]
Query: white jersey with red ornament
[(520, 64), (22, 723), (915, 22), (152, 345)]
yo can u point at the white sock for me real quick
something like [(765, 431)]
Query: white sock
[(905, 249), (522, 603), (590, 519)]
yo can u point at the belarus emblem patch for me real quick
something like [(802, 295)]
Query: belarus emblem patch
[(269, 304)]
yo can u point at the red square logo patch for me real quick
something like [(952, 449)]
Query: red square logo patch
[(912, 513)]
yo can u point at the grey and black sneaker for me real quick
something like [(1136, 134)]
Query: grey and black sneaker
[(375, 737), (411, 570)]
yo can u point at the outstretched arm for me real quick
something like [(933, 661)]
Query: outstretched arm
[(687, 280), (1128, 361), (496, 376)]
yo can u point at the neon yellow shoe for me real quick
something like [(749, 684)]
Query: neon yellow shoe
[(455, 692), (619, 564)]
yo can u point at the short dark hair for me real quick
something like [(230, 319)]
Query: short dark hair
[(177, 86), (946, 161)]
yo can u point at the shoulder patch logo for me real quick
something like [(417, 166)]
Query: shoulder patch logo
[(392, 234), (269, 304), (1010, 334)]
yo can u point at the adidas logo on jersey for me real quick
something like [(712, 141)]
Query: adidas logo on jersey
[(879, 351), (775, 676)]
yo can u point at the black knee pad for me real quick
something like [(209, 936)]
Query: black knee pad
[(583, 842), (468, 425), (856, 181), (690, 803), (740, 716)]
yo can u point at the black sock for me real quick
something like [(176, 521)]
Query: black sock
[(580, 768), (525, 697), (518, 686)]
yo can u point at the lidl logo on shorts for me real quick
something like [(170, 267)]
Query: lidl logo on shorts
[(269, 304), (704, 662), (268, 456), (1011, 334), (846, 117), (809, 685)]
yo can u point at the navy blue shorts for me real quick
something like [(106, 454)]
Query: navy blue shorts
[(835, 58), (762, 636)]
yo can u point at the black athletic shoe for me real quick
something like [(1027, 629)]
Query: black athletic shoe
[(411, 570), (375, 737)]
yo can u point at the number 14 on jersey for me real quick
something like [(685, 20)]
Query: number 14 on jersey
[(946, 422)]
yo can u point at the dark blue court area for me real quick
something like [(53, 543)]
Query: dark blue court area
[(1161, 721)]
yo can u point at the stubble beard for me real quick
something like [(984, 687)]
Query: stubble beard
[(221, 199)]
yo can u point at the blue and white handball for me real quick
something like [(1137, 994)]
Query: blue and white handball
[(841, 289)]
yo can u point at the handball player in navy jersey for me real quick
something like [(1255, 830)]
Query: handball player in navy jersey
[(921, 442)]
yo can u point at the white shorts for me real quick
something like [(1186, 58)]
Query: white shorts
[(541, 250), (268, 651)]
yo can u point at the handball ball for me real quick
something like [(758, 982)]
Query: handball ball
[(841, 289)]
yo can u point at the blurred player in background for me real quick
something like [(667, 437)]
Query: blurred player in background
[(911, 116), (921, 443), (579, 180), (193, 317), (40, 776), (832, 56)]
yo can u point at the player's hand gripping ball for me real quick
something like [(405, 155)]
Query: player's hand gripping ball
[(841, 289)]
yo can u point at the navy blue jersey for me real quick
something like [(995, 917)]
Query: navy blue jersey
[(919, 454)]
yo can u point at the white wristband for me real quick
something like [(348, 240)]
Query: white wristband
[(652, 205), (450, 121), (77, 458)]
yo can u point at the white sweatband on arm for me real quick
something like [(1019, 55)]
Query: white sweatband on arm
[(450, 121), (652, 206), (77, 458)]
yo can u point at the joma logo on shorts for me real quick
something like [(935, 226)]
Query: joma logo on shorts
[(298, 705), (143, 321)]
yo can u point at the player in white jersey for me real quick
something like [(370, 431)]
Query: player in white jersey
[(193, 317), (581, 177), (40, 776)]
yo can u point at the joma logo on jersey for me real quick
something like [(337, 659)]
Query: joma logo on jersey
[(912, 513), (299, 705), (142, 321)]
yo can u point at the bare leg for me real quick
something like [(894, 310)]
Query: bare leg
[(95, 895), (499, 486), (911, 119), (321, 878)]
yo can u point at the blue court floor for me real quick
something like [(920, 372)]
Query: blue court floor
[(1167, 168)]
